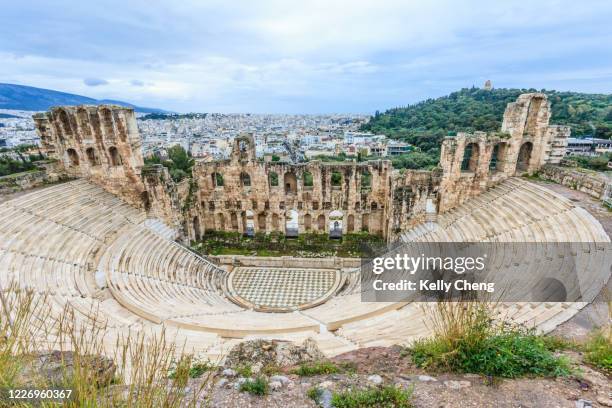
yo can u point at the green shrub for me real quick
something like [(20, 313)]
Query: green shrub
[(385, 397), (259, 386), (192, 367), (200, 367), (244, 370), (316, 368), (467, 340), (315, 393), (598, 350), (556, 343)]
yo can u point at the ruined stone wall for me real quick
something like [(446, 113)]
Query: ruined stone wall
[(410, 191), (100, 143), (588, 182), (471, 163), (249, 196)]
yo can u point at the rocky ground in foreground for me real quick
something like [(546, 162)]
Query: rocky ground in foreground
[(375, 367)]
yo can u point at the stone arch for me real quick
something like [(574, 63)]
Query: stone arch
[(65, 122), (90, 153), (335, 224), (121, 131), (290, 183), (350, 227), (471, 154), (321, 223), (73, 157), (249, 223), (144, 197), (83, 119), (261, 222), (275, 222), (292, 224), (549, 290), (217, 179), (273, 179), (107, 122), (307, 179), (115, 157), (336, 179), (234, 221), (366, 180), (365, 223), (307, 222), (245, 179), (221, 221), (498, 157), (524, 157), (196, 228), (244, 148)]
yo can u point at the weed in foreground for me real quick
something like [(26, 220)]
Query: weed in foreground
[(316, 368), (28, 326), (598, 349), (384, 397), (468, 340), (258, 386)]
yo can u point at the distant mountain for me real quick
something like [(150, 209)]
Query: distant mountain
[(20, 97)]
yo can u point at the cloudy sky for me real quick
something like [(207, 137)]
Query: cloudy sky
[(313, 56)]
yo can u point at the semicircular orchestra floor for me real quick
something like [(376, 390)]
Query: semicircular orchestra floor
[(282, 289)]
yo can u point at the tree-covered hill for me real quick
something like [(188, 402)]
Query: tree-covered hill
[(473, 109)]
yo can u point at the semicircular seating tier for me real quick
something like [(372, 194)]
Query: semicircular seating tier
[(79, 246)]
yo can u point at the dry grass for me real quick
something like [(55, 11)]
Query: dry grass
[(143, 360)]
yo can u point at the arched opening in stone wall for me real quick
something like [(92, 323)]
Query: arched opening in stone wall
[(366, 180), (335, 224), (275, 222), (292, 224), (470, 158), (245, 180), (65, 121), (365, 223), (73, 157), (290, 183), (144, 197), (91, 156), (321, 223), (217, 179), (498, 157), (524, 157), (234, 221), (221, 222), (307, 222), (196, 228), (336, 179), (244, 147), (531, 122), (374, 206), (307, 179), (107, 122), (115, 157), (261, 222), (273, 179), (249, 225), (350, 225), (83, 118)]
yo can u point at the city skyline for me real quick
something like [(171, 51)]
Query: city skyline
[(315, 58)]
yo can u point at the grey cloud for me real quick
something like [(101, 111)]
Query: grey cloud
[(136, 82), (95, 81)]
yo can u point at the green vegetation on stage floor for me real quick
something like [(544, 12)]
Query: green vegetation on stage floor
[(310, 245)]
